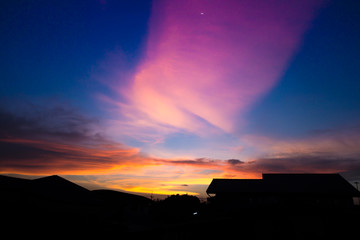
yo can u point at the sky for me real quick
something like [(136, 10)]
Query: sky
[(160, 97)]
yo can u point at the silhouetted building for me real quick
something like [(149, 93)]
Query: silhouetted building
[(283, 190)]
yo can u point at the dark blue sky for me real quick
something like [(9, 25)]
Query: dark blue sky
[(320, 89), (51, 48)]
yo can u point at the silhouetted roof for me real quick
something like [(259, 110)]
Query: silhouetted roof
[(285, 183)]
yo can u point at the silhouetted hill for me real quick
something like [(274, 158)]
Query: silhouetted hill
[(57, 205), (13, 183), (56, 183), (58, 188), (111, 196), (15, 191)]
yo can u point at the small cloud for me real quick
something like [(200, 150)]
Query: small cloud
[(191, 162), (230, 175), (235, 161), (210, 171), (184, 185)]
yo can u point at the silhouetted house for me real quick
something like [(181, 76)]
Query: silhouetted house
[(284, 190)]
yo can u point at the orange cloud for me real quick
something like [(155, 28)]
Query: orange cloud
[(29, 156), (118, 167)]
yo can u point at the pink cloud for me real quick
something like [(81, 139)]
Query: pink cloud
[(207, 62)]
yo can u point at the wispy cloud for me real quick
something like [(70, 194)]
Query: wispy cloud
[(206, 62), (341, 142), (48, 121)]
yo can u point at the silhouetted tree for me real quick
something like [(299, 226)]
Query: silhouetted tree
[(177, 207)]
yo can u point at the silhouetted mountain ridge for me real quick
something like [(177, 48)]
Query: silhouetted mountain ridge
[(13, 183), (58, 183), (58, 188), (54, 204), (118, 197)]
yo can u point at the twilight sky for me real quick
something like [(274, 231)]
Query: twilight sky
[(162, 96)]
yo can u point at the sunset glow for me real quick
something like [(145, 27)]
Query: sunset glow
[(164, 96)]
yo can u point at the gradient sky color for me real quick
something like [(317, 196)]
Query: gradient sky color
[(162, 96)]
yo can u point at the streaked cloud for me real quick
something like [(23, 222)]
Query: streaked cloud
[(57, 139), (207, 62), (341, 142)]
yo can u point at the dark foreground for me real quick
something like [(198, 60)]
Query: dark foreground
[(54, 207)]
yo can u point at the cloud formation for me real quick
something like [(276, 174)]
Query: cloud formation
[(49, 122), (332, 150), (235, 162), (336, 143), (57, 139), (206, 62)]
